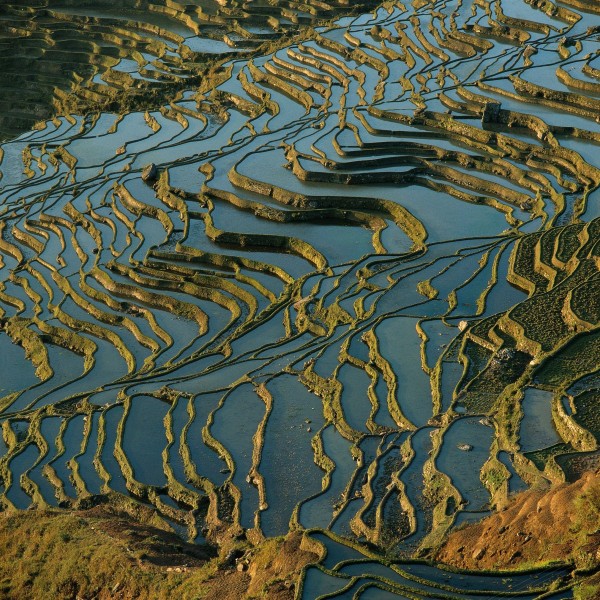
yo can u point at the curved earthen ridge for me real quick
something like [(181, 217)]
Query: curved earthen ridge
[(83, 56), (348, 285)]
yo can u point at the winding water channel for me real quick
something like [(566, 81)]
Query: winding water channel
[(360, 295)]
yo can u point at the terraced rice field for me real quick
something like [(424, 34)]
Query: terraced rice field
[(359, 294), (62, 55)]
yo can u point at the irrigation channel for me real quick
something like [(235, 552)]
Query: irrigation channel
[(359, 293)]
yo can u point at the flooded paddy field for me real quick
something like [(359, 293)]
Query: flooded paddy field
[(350, 284)]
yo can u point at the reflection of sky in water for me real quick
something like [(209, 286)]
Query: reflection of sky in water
[(284, 344)]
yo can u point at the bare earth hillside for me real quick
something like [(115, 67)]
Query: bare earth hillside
[(537, 527)]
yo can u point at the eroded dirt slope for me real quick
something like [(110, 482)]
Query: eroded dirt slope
[(536, 527)]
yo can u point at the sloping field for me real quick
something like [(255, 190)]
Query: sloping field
[(347, 285)]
